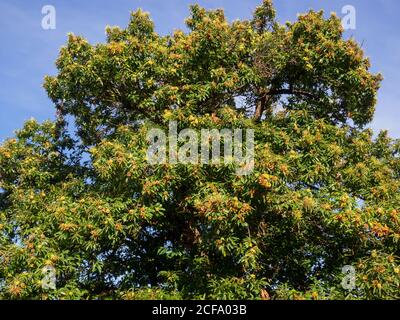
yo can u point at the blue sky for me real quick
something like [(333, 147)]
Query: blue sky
[(28, 52)]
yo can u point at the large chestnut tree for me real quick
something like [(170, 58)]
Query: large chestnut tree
[(79, 194)]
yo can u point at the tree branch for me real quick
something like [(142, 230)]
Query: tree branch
[(262, 103), (290, 91)]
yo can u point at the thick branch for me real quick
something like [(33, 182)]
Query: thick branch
[(290, 91), (264, 100), (260, 107)]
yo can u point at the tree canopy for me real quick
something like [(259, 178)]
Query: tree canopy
[(80, 195)]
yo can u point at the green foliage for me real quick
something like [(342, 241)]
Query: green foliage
[(323, 194)]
